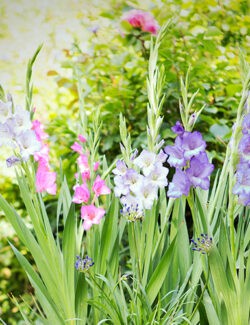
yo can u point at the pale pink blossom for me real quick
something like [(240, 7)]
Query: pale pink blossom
[(77, 148), (38, 127), (99, 187), (96, 166), (45, 179), (81, 194), (43, 154), (81, 138), (91, 215), (83, 164), (142, 20)]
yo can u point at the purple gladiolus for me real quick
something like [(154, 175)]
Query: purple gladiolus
[(178, 128), (242, 185), (180, 185), (244, 147), (192, 144), (175, 156), (246, 124), (199, 171), (189, 158)]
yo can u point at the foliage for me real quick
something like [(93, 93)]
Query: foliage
[(113, 69), (146, 272)]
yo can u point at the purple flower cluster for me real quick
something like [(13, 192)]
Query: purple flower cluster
[(16, 132), (189, 157), (138, 189), (203, 244), (242, 186), (83, 264)]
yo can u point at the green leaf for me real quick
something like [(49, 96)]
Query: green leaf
[(160, 273), (69, 256), (219, 130), (42, 293), (2, 94), (108, 236), (213, 31)]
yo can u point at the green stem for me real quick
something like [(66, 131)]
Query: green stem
[(201, 296), (137, 257), (190, 199)]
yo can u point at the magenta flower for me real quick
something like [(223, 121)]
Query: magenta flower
[(83, 163), (39, 130), (45, 180), (43, 154), (99, 187), (81, 194), (91, 215), (81, 138), (96, 166), (142, 20), (77, 148)]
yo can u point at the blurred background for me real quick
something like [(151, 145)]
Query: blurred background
[(86, 46)]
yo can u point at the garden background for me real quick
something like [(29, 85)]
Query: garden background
[(88, 41)]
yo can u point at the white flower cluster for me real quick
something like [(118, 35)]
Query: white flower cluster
[(16, 132), (137, 191)]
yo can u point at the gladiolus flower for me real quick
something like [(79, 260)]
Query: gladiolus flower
[(39, 130), (45, 179), (99, 187), (81, 138), (142, 20), (81, 194), (91, 215), (77, 148)]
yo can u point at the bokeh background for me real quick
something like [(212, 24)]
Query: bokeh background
[(86, 45)]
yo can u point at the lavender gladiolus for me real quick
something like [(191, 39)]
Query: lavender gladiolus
[(192, 143), (199, 171), (178, 128), (246, 124), (138, 187), (242, 185), (180, 185), (16, 131), (189, 158)]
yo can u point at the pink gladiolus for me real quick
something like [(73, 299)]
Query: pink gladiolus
[(43, 154), (82, 138), (77, 148), (81, 194), (85, 175), (39, 130), (141, 19), (91, 215), (99, 187), (84, 166), (96, 165), (45, 179)]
